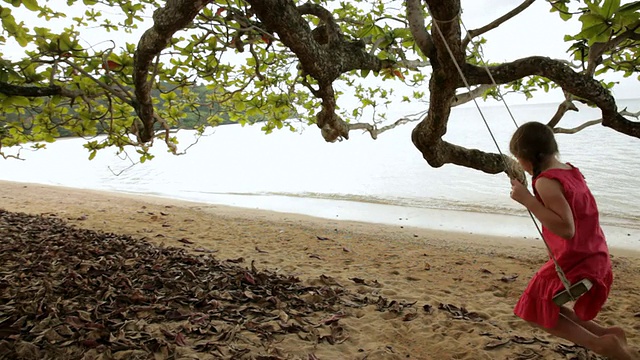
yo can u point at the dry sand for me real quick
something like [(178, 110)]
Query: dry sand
[(483, 274)]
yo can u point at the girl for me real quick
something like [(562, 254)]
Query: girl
[(569, 216)]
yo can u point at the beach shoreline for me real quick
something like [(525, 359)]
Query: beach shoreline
[(481, 273), (492, 227)]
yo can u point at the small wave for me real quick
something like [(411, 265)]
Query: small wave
[(607, 218), (616, 218)]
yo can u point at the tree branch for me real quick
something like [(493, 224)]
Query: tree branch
[(591, 123), (117, 93), (468, 96), (374, 131), (577, 84), (324, 54), (333, 32), (497, 22), (36, 91), (167, 20), (598, 49), (565, 106), (418, 30), (559, 130)]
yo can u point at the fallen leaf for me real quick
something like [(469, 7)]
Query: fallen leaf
[(410, 316), (508, 279), (261, 251), (105, 295), (496, 344), (180, 340)]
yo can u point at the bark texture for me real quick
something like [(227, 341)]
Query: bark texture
[(174, 16)]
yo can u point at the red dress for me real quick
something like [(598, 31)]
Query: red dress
[(586, 255)]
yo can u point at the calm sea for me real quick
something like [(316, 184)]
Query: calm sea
[(299, 172)]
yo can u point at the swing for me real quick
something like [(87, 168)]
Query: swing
[(571, 292)]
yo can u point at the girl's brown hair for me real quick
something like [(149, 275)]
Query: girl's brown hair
[(534, 142)]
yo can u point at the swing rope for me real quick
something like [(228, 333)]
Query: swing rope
[(561, 274)]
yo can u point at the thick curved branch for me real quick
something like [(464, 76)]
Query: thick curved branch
[(320, 59), (174, 16), (497, 22), (427, 135), (333, 32), (331, 125), (324, 53), (444, 81), (284, 18), (577, 84)]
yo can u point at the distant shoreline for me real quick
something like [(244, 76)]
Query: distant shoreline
[(508, 227)]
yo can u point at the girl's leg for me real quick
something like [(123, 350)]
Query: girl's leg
[(606, 345), (593, 326)]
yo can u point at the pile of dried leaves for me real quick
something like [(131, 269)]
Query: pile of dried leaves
[(73, 293)]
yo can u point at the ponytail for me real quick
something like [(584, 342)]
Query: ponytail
[(536, 167), (536, 164)]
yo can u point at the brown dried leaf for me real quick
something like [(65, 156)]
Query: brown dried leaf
[(180, 340), (410, 316), (496, 344)]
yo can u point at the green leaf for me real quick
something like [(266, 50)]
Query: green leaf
[(590, 19), (565, 16), (31, 4), (18, 101), (633, 7), (610, 7)]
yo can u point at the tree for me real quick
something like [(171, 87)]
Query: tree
[(294, 54)]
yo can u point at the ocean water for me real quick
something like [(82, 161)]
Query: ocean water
[(383, 180)]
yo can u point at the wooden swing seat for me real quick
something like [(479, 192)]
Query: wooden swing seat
[(578, 289)]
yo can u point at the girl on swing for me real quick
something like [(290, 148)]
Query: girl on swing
[(569, 216)]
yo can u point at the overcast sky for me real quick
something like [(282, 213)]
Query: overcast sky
[(534, 32)]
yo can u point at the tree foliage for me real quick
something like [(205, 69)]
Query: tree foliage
[(202, 63)]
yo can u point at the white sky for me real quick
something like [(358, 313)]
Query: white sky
[(534, 32)]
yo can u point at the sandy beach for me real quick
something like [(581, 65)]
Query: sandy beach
[(456, 291)]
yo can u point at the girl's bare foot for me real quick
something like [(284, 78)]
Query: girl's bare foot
[(619, 333), (612, 347)]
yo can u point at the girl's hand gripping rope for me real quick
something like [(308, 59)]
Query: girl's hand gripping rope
[(520, 193)]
